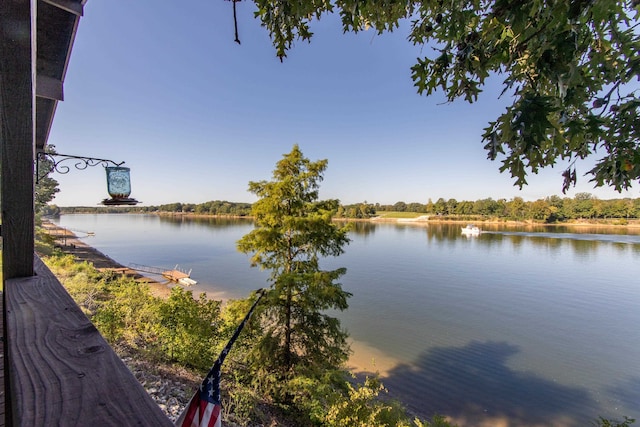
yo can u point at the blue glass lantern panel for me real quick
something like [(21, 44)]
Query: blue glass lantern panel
[(118, 182)]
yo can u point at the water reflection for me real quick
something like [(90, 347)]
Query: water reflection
[(584, 246), (561, 229), (583, 238), (442, 232), (360, 228), (580, 242), (216, 222)]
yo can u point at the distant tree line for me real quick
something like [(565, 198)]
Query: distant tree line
[(214, 207), (550, 209)]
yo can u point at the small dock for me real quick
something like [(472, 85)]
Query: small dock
[(175, 275)]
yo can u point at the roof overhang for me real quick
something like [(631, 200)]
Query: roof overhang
[(56, 27)]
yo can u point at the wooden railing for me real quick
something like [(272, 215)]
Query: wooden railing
[(60, 370)]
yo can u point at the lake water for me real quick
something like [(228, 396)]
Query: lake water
[(515, 327)]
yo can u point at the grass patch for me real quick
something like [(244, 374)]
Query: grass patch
[(392, 214)]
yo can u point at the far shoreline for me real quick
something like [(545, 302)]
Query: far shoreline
[(511, 223), (419, 218)]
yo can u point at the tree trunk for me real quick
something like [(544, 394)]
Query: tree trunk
[(287, 336)]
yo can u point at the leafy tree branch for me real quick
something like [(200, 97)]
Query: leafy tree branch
[(562, 61)]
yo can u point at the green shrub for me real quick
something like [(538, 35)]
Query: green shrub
[(603, 422), (363, 407), (179, 329), (129, 315), (189, 328)]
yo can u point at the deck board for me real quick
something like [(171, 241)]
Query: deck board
[(61, 370)]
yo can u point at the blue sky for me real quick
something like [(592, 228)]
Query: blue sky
[(162, 86)]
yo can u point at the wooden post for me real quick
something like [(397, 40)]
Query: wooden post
[(17, 135), (17, 139)]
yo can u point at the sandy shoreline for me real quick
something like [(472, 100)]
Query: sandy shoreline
[(81, 251), (426, 220)]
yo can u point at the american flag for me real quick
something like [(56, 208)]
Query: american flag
[(205, 409)]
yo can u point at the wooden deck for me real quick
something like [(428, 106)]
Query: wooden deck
[(175, 275), (60, 369)]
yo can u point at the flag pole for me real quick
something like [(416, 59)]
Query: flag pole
[(205, 408), (236, 334)]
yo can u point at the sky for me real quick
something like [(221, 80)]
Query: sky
[(162, 86)]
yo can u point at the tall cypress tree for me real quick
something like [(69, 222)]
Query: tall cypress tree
[(293, 233)]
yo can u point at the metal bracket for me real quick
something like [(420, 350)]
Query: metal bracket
[(53, 164)]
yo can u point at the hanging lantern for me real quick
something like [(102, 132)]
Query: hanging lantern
[(118, 186), (118, 180)]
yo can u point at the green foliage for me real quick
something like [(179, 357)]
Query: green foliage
[(189, 328), (45, 186), (176, 329), (360, 211), (214, 207), (334, 401), (80, 279), (44, 242), (293, 232), (548, 210), (363, 407), (241, 399), (604, 422), (45, 191), (569, 69), (50, 210), (128, 313)]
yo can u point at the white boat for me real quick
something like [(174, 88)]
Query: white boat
[(470, 230), (186, 281)]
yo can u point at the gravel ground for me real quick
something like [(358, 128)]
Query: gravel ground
[(170, 387)]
